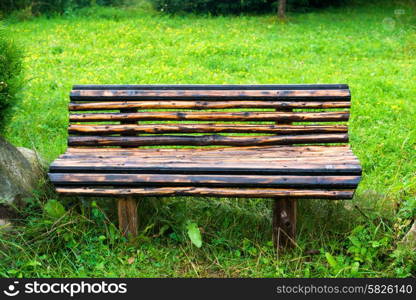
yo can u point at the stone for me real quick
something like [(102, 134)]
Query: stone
[(37, 163), (410, 238), (21, 170)]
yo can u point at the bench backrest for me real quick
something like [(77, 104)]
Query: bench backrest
[(207, 115)]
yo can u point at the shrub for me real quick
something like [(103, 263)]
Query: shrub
[(10, 70), (51, 6), (236, 6)]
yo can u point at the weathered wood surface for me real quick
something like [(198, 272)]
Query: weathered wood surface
[(205, 191), (286, 150), (266, 161), (206, 105), (210, 86), (79, 95), (257, 153), (127, 123), (74, 179), (214, 157), (331, 116), (205, 140), (83, 129), (127, 216), (252, 168), (192, 157), (284, 222), (253, 165)]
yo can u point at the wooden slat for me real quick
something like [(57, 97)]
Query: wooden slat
[(180, 167), (205, 140), (186, 157), (206, 105), (209, 192), (210, 86), (203, 128), (335, 94), (219, 152), (324, 149), (214, 116), (204, 180), (125, 160)]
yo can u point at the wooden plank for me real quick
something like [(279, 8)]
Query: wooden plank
[(324, 149), (205, 163), (206, 105), (334, 94), (209, 156), (214, 116), (282, 168), (219, 153), (203, 180), (268, 157), (205, 140), (209, 192), (203, 128), (203, 155), (209, 86), (206, 159)]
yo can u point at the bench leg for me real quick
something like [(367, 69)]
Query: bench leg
[(127, 216), (284, 223)]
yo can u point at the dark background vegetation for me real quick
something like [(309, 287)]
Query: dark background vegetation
[(220, 7), (51, 6), (171, 6)]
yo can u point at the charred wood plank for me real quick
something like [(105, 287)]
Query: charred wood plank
[(209, 86), (205, 140), (206, 105), (84, 129), (209, 192), (135, 94), (203, 180), (214, 116)]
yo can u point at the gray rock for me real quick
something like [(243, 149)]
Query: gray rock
[(37, 163), (20, 172), (410, 238)]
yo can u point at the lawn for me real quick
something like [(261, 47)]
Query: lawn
[(370, 47)]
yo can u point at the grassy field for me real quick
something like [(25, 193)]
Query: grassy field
[(369, 47)]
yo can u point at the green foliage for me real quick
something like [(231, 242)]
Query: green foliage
[(194, 234), (10, 70), (54, 209), (220, 7)]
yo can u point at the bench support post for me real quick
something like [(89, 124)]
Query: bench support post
[(127, 216), (284, 223)]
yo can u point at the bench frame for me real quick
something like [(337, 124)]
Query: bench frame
[(285, 99)]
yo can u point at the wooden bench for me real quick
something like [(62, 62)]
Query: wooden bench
[(285, 142)]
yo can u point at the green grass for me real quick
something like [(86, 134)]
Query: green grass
[(355, 45)]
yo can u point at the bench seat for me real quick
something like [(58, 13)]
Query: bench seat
[(267, 171)]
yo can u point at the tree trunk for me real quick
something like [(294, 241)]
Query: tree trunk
[(281, 11)]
